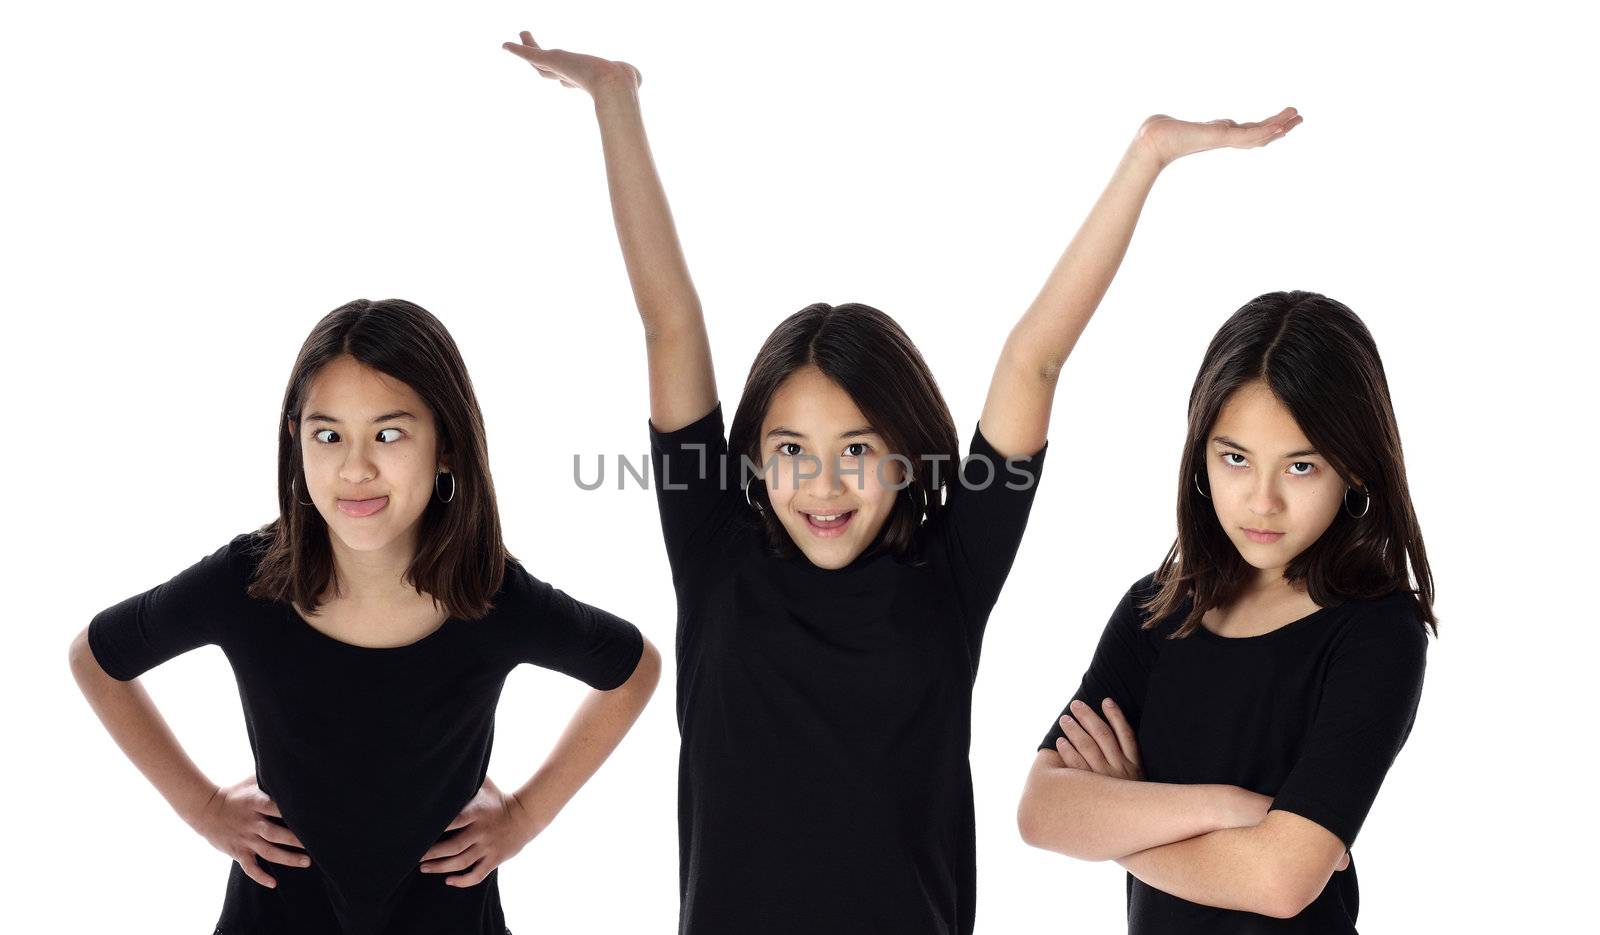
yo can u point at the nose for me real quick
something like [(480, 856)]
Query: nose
[(357, 467), (1264, 498), (821, 480)]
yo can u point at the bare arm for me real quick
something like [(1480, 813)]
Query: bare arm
[(233, 819), (590, 737), (683, 386), (1016, 414), (1089, 816), (1276, 868), (494, 827), (1260, 860)]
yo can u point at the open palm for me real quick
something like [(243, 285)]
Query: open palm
[(1169, 138), (573, 69)]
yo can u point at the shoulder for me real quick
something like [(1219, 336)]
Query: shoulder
[(1134, 610), (520, 589), (1390, 625)]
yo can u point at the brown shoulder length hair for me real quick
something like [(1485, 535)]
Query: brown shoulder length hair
[(868, 354), (460, 558), (1321, 362)]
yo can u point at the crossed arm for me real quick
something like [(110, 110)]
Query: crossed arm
[(1217, 845)]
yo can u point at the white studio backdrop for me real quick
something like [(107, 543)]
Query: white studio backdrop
[(189, 187)]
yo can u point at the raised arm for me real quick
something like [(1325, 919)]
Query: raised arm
[(1016, 415), (683, 386)]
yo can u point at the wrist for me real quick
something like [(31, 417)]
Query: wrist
[(192, 804), (1242, 808), (1143, 156), (528, 813), (615, 85)]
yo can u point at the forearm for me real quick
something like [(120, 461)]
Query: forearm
[(1271, 868), (657, 270), (599, 725), (132, 720), (1016, 413), (682, 381), (1045, 335), (1093, 817)]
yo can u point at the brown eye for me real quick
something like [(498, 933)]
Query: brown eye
[(856, 454)]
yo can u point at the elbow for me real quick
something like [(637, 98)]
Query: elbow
[(647, 671), (80, 658), (1028, 822), (1287, 892), (1025, 358), (1046, 828)]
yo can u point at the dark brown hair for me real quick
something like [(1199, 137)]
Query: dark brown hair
[(1320, 361), (460, 558), (871, 358)]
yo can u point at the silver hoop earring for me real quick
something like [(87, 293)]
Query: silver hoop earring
[(444, 499), (294, 491), (1197, 488), (1366, 503), (749, 499)]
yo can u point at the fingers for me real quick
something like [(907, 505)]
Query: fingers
[(460, 821), (1110, 749), (447, 848), (473, 877), (459, 861), (1069, 756), (1124, 731), (277, 834), (279, 855), (1084, 744), (247, 863), (266, 806)]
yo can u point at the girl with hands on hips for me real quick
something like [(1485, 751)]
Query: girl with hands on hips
[(371, 628)]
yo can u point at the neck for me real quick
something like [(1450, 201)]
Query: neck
[(373, 576)]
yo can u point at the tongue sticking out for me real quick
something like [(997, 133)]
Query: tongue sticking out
[(363, 507)]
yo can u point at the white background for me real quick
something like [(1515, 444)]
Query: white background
[(191, 186)]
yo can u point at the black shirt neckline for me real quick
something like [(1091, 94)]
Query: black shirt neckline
[(1295, 624), (295, 617)]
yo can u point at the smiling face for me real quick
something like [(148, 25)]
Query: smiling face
[(369, 451), (1273, 493), (832, 484)]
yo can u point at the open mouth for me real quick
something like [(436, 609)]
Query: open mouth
[(828, 525)]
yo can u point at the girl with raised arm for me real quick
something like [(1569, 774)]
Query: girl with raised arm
[(370, 627), (835, 563), (1247, 698)]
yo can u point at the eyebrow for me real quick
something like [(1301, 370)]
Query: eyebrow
[(784, 432), (386, 417), (1225, 440)]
